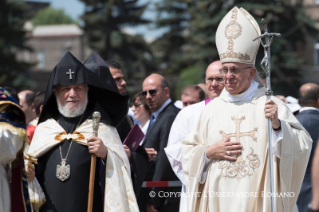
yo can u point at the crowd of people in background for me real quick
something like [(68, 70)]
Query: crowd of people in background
[(161, 142), (48, 148)]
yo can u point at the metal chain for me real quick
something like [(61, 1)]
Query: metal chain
[(71, 142)]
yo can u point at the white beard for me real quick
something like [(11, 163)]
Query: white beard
[(66, 112)]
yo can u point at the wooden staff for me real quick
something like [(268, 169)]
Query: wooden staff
[(96, 120)]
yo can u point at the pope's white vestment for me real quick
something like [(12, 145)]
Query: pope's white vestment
[(181, 127), (243, 185)]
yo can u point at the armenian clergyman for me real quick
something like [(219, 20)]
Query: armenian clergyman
[(63, 142), (240, 114)]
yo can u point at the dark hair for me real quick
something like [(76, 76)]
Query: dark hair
[(113, 64), (38, 101), (13, 93), (29, 98), (199, 90), (262, 75), (142, 99), (309, 97)]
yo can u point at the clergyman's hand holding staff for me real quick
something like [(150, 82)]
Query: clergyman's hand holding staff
[(96, 116), (265, 65)]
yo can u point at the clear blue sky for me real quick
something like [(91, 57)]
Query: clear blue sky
[(75, 9)]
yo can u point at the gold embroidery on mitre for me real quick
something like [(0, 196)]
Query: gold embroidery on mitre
[(239, 168), (232, 31), (76, 136)]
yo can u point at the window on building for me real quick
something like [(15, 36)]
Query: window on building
[(41, 58), (316, 54)]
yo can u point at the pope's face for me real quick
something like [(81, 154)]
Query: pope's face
[(238, 77), (72, 98)]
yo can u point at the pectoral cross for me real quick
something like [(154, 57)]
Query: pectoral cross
[(239, 134), (70, 73)]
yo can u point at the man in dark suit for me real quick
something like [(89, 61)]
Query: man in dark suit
[(156, 92), (309, 118)]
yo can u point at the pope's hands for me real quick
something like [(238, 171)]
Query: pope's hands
[(151, 152), (128, 152), (219, 150), (97, 147), (271, 111)]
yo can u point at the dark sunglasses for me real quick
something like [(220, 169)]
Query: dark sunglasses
[(152, 92)]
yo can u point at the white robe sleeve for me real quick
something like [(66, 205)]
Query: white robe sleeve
[(276, 142), (173, 150), (10, 144)]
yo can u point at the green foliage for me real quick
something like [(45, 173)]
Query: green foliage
[(190, 40), (190, 75), (104, 24), (50, 16), (294, 26), (13, 73)]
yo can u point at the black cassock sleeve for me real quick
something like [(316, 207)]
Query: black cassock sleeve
[(139, 163)]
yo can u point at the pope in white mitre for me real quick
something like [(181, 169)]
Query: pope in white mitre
[(239, 114)]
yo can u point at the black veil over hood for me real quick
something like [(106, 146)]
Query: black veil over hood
[(97, 65), (70, 71)]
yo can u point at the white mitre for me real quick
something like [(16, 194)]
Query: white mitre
[(235, 35)]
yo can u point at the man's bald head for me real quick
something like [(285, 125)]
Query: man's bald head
[(309, 95), (26, 99), (156, 91), (214, 80)]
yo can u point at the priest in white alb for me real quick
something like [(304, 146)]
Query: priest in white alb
[(240, 114)]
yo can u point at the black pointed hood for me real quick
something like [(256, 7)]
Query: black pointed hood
[(70, 71), (97, 65)]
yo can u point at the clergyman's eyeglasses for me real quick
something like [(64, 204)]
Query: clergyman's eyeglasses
[(210, 80), (232, 70)]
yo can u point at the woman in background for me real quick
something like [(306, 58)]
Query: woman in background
[(142, 112)]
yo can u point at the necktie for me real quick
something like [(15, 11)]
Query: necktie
[(151, 122)]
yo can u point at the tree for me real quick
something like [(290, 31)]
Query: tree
[(14, 73), (173, 16), (295, 26), (105, 24), (197, 49), (49, 16)]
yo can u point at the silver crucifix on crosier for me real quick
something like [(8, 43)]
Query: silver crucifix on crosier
[(265, 65)]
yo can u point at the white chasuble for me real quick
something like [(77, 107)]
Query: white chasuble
[(243, 185), (119, 194)]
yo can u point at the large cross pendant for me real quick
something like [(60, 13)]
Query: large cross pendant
[(70, 73), (63, 171)]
